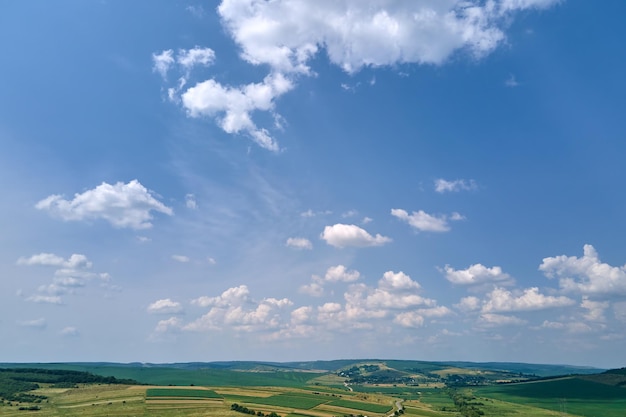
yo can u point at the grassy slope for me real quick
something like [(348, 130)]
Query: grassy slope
[(573, 395)]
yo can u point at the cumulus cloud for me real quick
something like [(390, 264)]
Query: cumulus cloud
[(501, 300), (424, 222), (299, 243), (443, 186), (232, 106), (468, 304), (338, 273), (70, 275), (344, 235), (595, 309), (314, 289), (477, 274), (123, 205), (341, 273), (165, 306), (355, 33), (172, 324), (587, 274), (235, 309), (49, 259)]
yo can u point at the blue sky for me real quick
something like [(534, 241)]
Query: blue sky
[(298, 180)]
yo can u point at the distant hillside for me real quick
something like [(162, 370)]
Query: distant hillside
[(616, 377), (361, 371)]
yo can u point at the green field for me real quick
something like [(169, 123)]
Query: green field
[(357, 405), (568, 395), (206, 389), (292, 401), (178, 392)]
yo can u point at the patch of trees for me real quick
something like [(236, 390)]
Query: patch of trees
[(246, 410), (465, 404), (16, 383)]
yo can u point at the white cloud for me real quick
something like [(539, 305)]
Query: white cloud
[(416, 318), (70, 275), (468, 304), (232, 106), (311, 213), (489, 319), (122, 205), (235, 309), (34, 324), (341, 273), (286, 34), (165, 306), (181, 258), (190, 202), (162, 62), (354, 33), (230, 296), (619, 310), (49, 259), (349, 213), (344, 235), (299, 243), (442, 186), (511, 81), (409, 319), (367, 220), (45, 299), (424, 222), (501, 300), (314, 289), (595, 309), (69, 331), (477, 274), (587, 274), (172, 324), (188, 58)]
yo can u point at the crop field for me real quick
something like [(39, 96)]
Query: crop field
[(181, 393), (296, 401), (362, 406)]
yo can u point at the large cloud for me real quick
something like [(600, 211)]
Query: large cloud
[(501, 300), (123, 205), (477, 274), (587, 274), (343, 235), (286, 34), (235, 309), (70, 275), (233, 106)]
